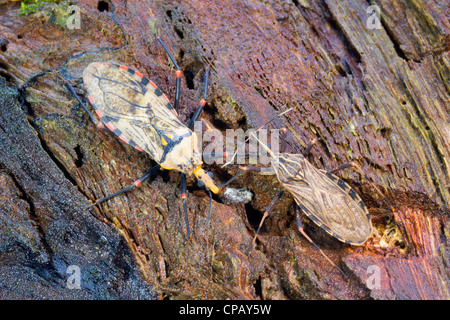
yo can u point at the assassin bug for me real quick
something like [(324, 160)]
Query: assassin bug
[(132, 107)]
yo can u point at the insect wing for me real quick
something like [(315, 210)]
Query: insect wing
[(132, 107), (327, 200)]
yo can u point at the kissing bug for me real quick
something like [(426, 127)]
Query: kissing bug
[(133, 108), (325, 198)]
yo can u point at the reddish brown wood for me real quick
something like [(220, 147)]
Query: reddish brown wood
[(376, 97)]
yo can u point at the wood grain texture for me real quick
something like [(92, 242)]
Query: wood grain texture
[(379, 97)]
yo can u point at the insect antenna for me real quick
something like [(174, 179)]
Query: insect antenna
[(177, 74), (72, 91), (265, 124)]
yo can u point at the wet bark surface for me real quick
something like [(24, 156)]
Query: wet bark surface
[(375, 96)]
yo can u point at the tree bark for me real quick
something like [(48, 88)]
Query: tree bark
[(371, 91)]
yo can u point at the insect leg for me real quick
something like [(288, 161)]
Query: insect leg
[(232, 178), (201, 104), (177, 74), (225, 155), (136, 183), (265, 215), (300, 229), (213, 155), (183, 184), (72, 91), (261, 170), (309, 147)]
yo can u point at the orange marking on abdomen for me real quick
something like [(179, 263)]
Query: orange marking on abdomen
[(98, 112), (165, 97), (138, 74), (123, 67), (110, 126), (121, 137), (153, 84)]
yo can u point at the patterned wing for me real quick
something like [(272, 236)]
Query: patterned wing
[(132, 107), (326, 199)]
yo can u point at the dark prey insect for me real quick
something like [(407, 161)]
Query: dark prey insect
[(325, 198), (134, 108)]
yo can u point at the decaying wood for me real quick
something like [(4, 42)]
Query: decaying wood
[(379, 97)]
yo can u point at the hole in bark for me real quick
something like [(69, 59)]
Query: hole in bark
[(258, 287), (3, 43), (242, 123), (385, 132), (394, 41), (165, 175), (179, 32), (253, 215), (79, 159), (339, 68), (8, 78), (400, 244), (217, 123), (19, 36), (189, 75), (103, 6), (169, 14)]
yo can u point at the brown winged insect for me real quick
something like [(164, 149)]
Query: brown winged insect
[(325, 198), (132, 107)]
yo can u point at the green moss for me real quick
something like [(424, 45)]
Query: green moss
[(54, 11), (28, 7), (229, 110)]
